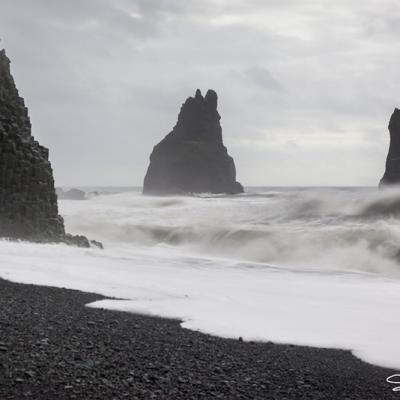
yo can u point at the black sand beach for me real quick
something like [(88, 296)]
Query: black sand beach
[(53, 347)]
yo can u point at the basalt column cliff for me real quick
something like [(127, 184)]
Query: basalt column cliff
[(28, 202), (192, 158), (392, 171)]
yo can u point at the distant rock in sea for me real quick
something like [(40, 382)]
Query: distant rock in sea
[(392, 171), (192, 158), (71, 194), (28, 201)]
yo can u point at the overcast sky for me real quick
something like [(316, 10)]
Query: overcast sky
[(306, 87)]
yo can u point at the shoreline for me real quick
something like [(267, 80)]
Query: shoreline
[(54, 347)]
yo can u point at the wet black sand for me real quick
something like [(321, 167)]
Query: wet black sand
[(52, 347)]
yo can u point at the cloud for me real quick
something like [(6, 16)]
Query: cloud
[(263, 78), (104, 81)]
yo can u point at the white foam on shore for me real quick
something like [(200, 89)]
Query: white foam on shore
[(224, 298), (348, 300)]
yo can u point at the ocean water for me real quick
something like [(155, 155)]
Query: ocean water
[(308, 266)]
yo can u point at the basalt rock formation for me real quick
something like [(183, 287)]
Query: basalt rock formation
[(392, 170), (28, 201), (192, 158)]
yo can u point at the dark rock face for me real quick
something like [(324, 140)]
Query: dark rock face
[(192, 158), (28, 201), (392, 171)]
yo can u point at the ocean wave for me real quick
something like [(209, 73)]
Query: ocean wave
[(319, 229)]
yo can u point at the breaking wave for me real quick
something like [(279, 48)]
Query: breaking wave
[(347, 229)]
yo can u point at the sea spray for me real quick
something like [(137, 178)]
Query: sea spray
[(336, 229)]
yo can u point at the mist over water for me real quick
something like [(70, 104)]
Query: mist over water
[(309, 266), (344, 229)]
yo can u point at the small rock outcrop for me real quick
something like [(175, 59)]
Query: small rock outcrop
[(392, 170), (192, 158), (28, 200), (71, 194)]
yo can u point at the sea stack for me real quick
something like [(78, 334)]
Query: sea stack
[(28, 201), (392, 170), (192, 158)]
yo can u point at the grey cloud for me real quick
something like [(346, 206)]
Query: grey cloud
[(104, 81), (263, 78)]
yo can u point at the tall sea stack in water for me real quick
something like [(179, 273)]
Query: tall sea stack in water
[(28, 201), (392, 170), (192, 158)]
